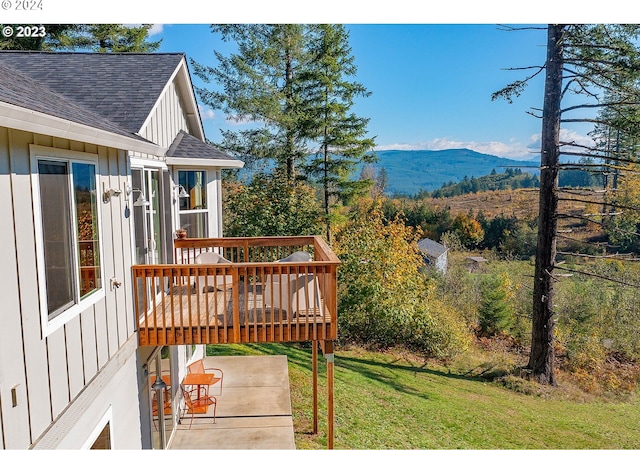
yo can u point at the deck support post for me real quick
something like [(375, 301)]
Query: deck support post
[(328, 354), (314, 363)]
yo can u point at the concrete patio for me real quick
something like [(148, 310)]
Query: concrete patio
[(254, 410)]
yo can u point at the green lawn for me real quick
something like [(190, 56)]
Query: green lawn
[(387, 401)]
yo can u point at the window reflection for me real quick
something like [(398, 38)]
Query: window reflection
[(195, 183)]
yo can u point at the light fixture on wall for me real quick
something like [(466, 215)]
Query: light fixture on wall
[(182, 192), (141, 201), (108, 193)]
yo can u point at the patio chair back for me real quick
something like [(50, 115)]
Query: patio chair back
[(198, 405), (198, 367)]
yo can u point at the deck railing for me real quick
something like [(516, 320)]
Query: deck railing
[(248, 295)]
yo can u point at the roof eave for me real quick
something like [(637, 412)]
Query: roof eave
[(12, 116), (205, 162)]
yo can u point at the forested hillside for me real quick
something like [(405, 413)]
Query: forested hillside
[(510, 179), (409, 172)]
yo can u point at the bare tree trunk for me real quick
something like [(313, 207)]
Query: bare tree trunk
[(541, 358)]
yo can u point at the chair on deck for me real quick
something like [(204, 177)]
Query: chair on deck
[(166, 404), (295, 293), (211, 283), (198, 405), (198, 367)]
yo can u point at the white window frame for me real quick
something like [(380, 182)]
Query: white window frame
[(213, 209), (204, 211), (106, 419), (37, 153)]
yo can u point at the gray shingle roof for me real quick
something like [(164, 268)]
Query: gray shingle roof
[(431, 248), (121, 87), (187, 146), (18, 89)]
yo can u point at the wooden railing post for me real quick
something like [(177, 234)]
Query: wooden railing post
[(328, 348), (236, 304), (314, 363)]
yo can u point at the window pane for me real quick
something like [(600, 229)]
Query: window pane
[(103, 441), (84, 189), (53, 177), (195, 184), (195, 224), (139, 219)]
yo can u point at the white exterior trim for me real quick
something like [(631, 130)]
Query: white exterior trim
[(19, 118), (106, 419), (150, 163), (37, 152), (202, 162)]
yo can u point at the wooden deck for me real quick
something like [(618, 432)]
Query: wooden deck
[(238, 301)]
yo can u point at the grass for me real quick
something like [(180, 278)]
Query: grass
[(392, 400)]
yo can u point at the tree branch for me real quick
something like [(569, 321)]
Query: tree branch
[(596, 276)]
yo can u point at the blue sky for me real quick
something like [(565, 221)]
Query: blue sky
[(431, 84)]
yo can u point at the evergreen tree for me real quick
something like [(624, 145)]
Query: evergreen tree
[(260, 83), (495, 314), (329, 92), (382, 180), (110, 38)]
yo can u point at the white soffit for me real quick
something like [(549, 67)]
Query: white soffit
[(202, 162), (12, 116)]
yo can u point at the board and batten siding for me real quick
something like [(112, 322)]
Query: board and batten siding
[(49, 372), (167, 119)]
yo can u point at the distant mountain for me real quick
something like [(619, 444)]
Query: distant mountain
[(409, 171)]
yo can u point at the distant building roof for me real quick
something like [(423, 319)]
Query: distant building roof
[(431, 248), (478, 259)]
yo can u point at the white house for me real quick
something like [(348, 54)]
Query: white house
[(434, 254), (102, 158)]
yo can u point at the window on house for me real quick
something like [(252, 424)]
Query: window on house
[(70, 238), (194, 213), (103, 441)]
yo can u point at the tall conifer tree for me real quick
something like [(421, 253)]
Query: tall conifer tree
[(260, 84), (329, 91)]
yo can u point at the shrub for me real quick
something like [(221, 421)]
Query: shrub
[(496, 312), (384, 299)]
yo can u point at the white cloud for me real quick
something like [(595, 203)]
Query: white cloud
[(206, 113), (156, 28), (565, 136), (512, 149)]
